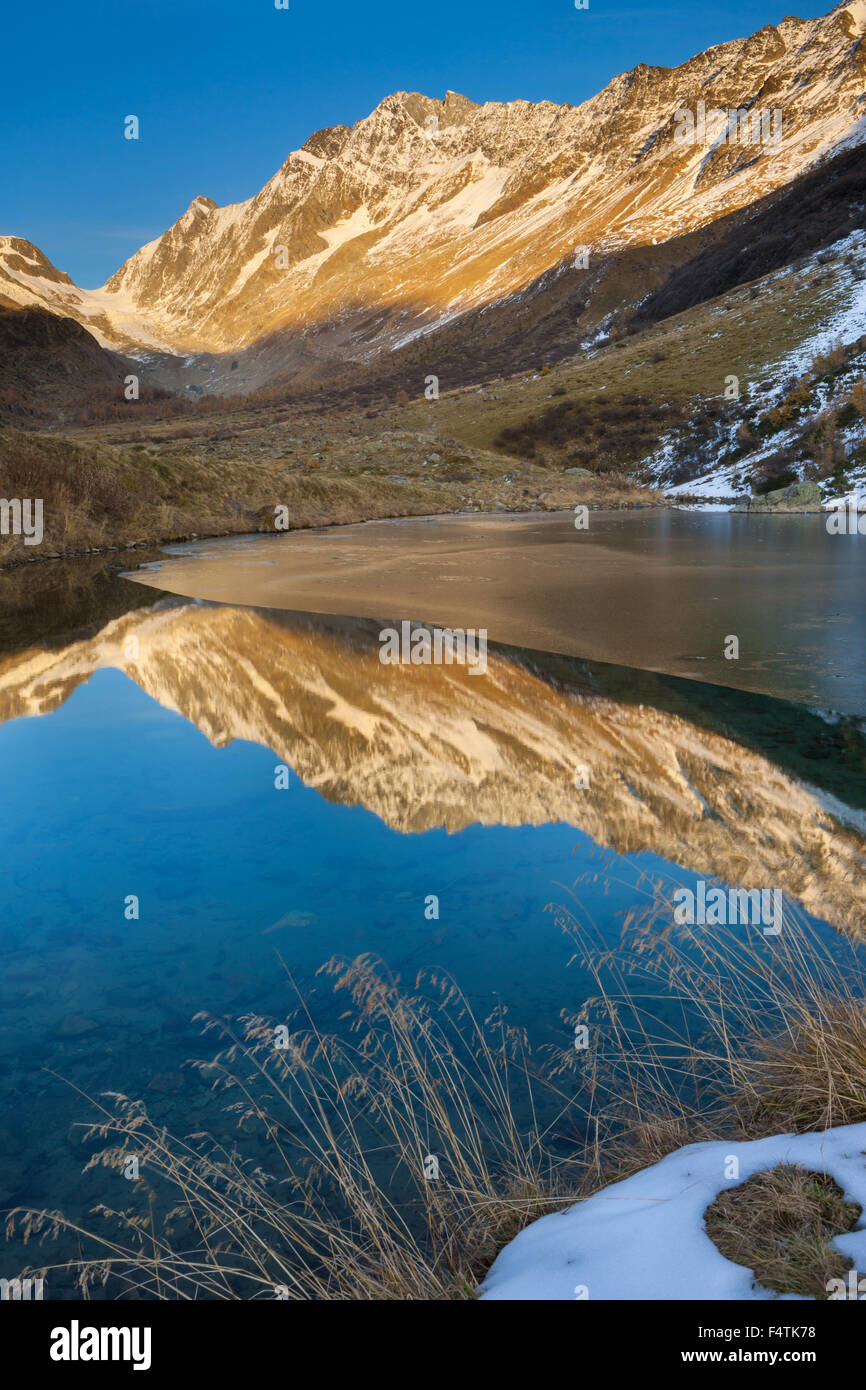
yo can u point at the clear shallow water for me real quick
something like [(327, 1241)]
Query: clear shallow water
[(139, 747)]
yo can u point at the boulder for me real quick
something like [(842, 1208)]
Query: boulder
[(797, 497)]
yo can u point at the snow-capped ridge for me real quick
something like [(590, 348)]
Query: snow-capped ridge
[(431, 207)]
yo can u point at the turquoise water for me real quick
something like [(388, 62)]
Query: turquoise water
[(149, 770)]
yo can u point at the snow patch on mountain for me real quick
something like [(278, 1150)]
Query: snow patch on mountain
[(842, 321)]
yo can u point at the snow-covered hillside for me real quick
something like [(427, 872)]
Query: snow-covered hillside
[(793, 419), (27, 278)]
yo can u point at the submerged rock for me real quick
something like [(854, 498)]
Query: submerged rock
[(77, 1026), (166, 1083)]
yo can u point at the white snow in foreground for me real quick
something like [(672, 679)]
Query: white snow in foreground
[(644, 1238)]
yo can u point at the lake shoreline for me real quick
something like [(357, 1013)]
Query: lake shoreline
[(192, 537), (684, 503), (91, 497)]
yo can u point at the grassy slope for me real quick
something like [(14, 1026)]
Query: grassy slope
[(684, 357), (98, 495)]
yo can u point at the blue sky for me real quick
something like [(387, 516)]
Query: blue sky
[(224, 89)]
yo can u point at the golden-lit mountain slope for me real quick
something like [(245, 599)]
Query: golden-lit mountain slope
[(429, 208), (423, 747)]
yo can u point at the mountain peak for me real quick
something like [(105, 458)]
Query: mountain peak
[(431, 208), (328, 142), (22, 258), (200, 205), (454, 109)]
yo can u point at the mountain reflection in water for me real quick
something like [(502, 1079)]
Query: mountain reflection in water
[(719, 793), (139, 740)]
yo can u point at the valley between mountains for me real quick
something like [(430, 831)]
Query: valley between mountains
[(454, 306)]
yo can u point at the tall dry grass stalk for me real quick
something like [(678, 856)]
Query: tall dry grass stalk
[(347, 1211), (694, 1033), (705, 1032)]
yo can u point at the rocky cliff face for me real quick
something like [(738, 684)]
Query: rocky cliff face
[(423, 747), (429, 208)]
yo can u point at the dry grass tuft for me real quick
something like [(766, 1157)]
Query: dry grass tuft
[(779, 1224), (757, 1035), (696, 1033), (347, 1212)]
